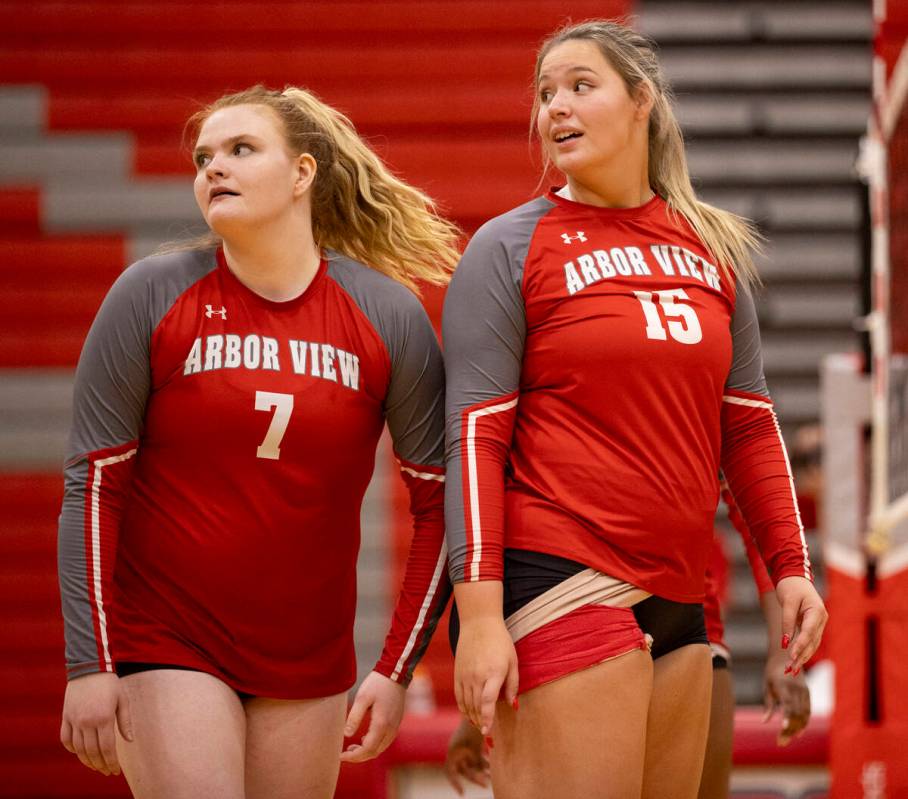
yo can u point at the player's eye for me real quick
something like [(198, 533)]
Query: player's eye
[(241, 148), (545, 95), (201, 159)]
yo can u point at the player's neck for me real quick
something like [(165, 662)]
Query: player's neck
[(606, 195), (614, 183), (278, 265)]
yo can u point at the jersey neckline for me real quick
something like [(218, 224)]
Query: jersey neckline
[(273, 305), (636, 212)]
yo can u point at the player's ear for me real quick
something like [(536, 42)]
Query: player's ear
[(306, 169), (644, 100)]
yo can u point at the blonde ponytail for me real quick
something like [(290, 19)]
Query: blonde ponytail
[(731, 239), (359, 208)]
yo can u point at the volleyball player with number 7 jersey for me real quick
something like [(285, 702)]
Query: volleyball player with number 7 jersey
[(228, 404), (603, 364)]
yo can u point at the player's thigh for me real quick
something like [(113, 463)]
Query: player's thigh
[(188, 736), (293, 747), (717, 762), (678, 723), (581, 735)]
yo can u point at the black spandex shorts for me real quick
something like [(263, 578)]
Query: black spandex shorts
[(528, 575), (125, 669)]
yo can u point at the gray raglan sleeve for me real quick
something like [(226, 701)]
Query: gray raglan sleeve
[(109, 394), (111, 388), (414, 409), (753, 459), (483, 330), (746, 372), (414, 412)]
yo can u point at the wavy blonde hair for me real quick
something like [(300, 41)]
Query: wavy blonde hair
[(731, 239), (359, 208)]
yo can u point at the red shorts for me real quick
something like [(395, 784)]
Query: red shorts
[(583, 638)]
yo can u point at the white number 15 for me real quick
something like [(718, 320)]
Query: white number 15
[(680, 319)]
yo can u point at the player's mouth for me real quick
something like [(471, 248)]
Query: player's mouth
[(564, 135), (218, 192)]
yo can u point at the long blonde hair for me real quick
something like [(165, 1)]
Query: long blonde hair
[(731, 239), (359, 208)]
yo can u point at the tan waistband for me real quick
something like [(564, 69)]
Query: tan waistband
[(588, 587)]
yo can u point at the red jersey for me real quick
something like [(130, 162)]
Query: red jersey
[(220, 450), (600, 371)]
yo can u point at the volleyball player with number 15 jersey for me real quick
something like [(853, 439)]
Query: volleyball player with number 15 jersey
[(603, 364)]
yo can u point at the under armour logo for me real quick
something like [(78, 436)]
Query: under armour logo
[(581, 236), (209, 312)]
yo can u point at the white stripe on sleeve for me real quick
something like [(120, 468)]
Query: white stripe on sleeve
[(96, 542), (472, 476)]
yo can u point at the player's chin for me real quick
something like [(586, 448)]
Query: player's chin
[(229, 222), (572, 164)]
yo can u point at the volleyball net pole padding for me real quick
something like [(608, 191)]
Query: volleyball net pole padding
[(866, 482)]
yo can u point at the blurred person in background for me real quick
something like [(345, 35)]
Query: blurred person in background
[(228, 403)]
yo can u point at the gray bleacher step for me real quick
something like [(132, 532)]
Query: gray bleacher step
[(843, 114), (65, 157), (23, 110), (793, 354), (795, 68), (843, 22), (771, 161), (166, 204), (818, 306), (741, 22), (827, 113), (34, 418), (831, 256), (679, 22), (824, 209)]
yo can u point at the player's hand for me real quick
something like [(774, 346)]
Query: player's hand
[(92, 706), (486, 661), (803, 619), (385, 698), (465, 758), (788, 693)]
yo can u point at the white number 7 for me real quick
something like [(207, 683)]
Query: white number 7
[(283, 406), (686, 331)]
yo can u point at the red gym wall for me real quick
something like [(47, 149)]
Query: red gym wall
[(442, 90)]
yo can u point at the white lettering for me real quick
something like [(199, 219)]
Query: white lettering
[(605, 265), (232, 351), (313, 359), (661, 253), (349, 366), (619, 259), (712, 275), (691, 260), (679, 261), (252, 351), (269, 354), (298, 355), (213, 347), (194, 359), (637, 261), (328, 372), (588, 269), (574, 283)]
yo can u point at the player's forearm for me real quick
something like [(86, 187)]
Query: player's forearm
[(772, 614), (479, 601)]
